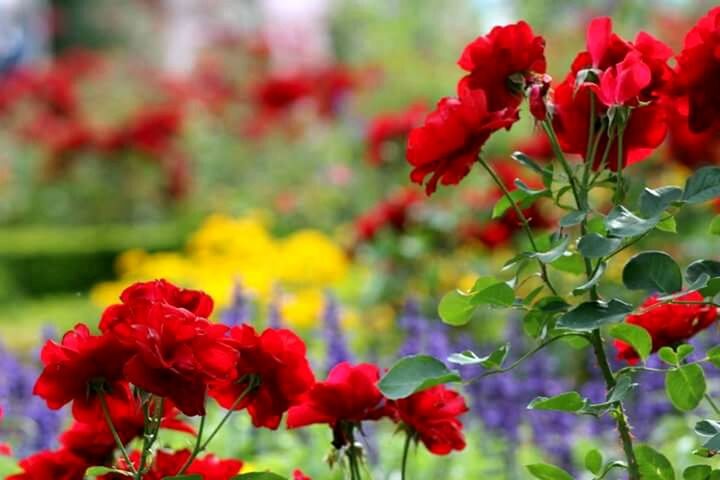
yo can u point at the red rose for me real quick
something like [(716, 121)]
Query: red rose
[(387, 127), (276, 361), (623, 83), (176, 351), (501, 62), (699, 70), (644, 131), (448, 144), (150, 131), (431, 415), (692, 149), (5, 449), (78, 367), (168, 464), (349, 394), (668, 324), (57, 465), (299, 475), (94, 442)]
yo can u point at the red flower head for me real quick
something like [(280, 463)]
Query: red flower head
[(168, 464), (626, 73), (389, 127), (431, 415), (699, 70), (348, 395), (280, 92), (448, 144), (94, 442), (5, 449), (273, 366), (150, 131), (501, 63), (77, 368), (299, 475), (692, 149), (176, 350), (668, 324), (392, 212), (57, 465)]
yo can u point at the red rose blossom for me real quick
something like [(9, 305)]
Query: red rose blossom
[(78, 367), (56, 465), (668, 324), (699, 70), (448, 143), (431, 415), (501, 62), (168, 464), (176, 351), (393, 213), (299, 475), (349, 394), (276, 361), (5, 449)]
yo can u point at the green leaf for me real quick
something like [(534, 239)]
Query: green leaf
[(683, 351), (714, 355), (654, 271), (594, 461), (565, 402), (258, 476), (554, 253), (622, 223), (636, 336), (599, 272), (492, 361), (488, 291), (713, 443), (573, 218), (715, 226), (552, 304), (592, 315), (653, 465), (703, 185), (685, 386), (667, 224), (570, 263), (668, 356), (594, 245), (456, 308), (697, 472), (546, 172), (654, 202), (545, 471), (518, 196), (707, 428), (413, 374), (696, 269)]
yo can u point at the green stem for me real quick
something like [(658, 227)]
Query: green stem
[(406, 449), (529, 354), (150, 433), (550, 131), (200, 447), (621, 166), (712, 403), (523, 220), (620, 417), (113, 431)]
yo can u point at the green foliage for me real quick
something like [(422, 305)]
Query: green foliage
[(685, 386), (544, 471), (653, 464), (654, 271), (634, 335), (414, 374)]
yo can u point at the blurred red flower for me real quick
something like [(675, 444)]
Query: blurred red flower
[(501, 62), (56, 465), (168, 464), (5, 449), (392, 212), (388, 127), (668, 324), (699, 70), (448, 143), (299, 475), (431, 415), (276, 361)]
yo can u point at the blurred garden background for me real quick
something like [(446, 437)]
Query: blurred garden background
[(255, 149)]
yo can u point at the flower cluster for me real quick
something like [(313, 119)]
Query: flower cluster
[(158, 356)]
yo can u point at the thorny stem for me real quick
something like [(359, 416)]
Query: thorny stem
[(523, 220), (113, 431), (152, 427)]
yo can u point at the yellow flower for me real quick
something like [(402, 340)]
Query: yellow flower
[(311, 258), (303, 309)]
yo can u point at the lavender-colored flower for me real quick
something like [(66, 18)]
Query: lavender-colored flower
[(239, 310), (274, 315), (415, 328), (336, 347), (29, 425)]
